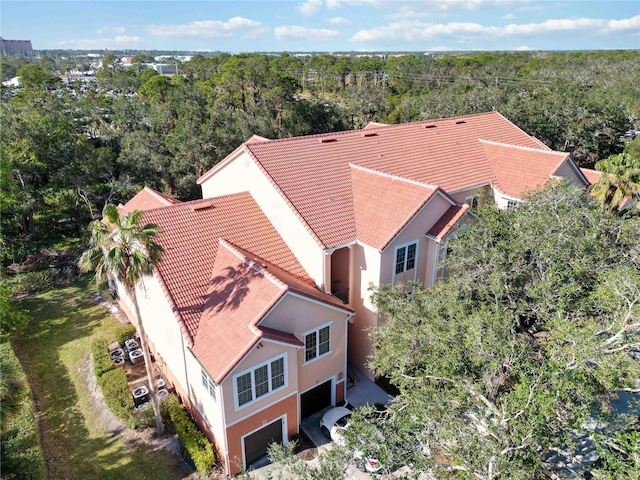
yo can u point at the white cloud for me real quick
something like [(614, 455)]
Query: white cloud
[(339, 20), (309, 7), (416, 30), (523, 48), (206, 28), (116, 43), (110, 29), (318, 34), (508, 16)]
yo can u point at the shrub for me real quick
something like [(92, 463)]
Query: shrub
[(124, 332), (102, 362), (193, 441), (117, 395)]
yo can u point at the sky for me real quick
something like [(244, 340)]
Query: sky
[(324, 25)]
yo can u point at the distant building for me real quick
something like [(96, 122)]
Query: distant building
[(16, 47)]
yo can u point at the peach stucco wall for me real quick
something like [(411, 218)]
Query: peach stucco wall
[(287, 408), (263, 352), (299, 315), (241, 174)]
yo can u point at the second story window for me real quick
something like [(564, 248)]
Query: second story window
[(406, 257), (208, 384), (260, 381), (317, 343)]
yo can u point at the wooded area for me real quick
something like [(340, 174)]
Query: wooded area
[(68, 148)]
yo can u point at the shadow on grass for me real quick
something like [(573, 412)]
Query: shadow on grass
[(57, 342)]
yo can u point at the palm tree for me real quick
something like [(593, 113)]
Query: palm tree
[(620, 181), (122, 249)]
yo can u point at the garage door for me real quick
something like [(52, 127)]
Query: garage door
[(255, 445), (315, 399)]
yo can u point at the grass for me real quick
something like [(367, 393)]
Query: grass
[(54, 354), (20, 443)]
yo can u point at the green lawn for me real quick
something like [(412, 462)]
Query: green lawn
[(53, 352)]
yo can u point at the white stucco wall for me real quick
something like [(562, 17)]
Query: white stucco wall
[(241, 174)]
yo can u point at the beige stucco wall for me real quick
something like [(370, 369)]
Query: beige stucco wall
[(167, 340), (570, 174), (462, 195), (366, 261), (267, 350), (241, 174), (209, 409), (299, 315), (415, 230)]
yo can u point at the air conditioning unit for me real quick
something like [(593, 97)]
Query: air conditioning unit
[(131, 344), (160, 383), (140, 395), (163, 393), (136, 356)]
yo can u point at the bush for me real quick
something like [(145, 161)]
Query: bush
[(193, 441), (102, 362), (144, 417), (117, 395), (125, 332)]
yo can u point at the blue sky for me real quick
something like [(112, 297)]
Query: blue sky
[(324, 25)]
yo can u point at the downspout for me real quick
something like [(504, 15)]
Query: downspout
[(435, 262)]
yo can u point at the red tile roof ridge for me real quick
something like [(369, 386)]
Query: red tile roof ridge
[(255, 138), (451, 216), (592, 176), (176, 310), (289, 281), (546, 151), (279, 336), (256, 263), (393, 177), (169, 200), (287, 200)]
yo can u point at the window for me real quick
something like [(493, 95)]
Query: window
[(511, 204), (260, 381), (406, 257), (472, 201), (208, 384), (317, 343)]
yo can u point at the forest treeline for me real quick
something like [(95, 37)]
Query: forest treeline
[(68, 147)]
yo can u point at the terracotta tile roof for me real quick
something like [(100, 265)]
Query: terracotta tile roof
[(383, 204), (592, 176), (189, 233), (279, 336), (240, 293), (521, 169), (313, 173), (452, 216), (242, 289), (148, 199)]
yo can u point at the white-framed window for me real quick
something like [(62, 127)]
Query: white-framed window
[(317, 343), (406, 257), (208, 383), (472, 201), (511, 204), (260, 380)]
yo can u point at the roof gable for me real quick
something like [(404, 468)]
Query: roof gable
[(148, 199), (313, 173), (383, 204), (521, 169), (242, 290), (189, 233)]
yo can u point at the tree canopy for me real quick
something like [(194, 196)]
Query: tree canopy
[(532, 332)]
